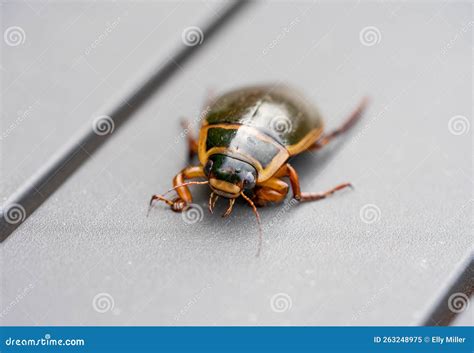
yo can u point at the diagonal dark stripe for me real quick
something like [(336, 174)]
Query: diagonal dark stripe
[(64, 163), (453, 301)]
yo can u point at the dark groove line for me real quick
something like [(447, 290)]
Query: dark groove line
[(67, 160), (442, 314)]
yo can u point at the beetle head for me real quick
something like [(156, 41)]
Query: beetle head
[(229, 176)]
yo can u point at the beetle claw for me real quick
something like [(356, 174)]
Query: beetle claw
[(178, 205), (229, 209), (159, 198)]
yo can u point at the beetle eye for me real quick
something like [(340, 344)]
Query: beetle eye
[(207, 167), (249, 181)]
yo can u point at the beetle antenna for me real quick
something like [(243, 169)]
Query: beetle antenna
[(250, 202), (186, 184)]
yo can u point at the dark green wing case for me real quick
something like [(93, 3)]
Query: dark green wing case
[(278, 111)]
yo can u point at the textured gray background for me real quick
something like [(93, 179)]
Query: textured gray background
[(92, 236)]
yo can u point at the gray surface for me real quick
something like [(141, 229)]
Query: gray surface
[(75, 58), (92, 236)]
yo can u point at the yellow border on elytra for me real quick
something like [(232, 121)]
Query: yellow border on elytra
[(306, 142)]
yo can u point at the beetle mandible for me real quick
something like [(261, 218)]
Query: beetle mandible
[(245, 141)]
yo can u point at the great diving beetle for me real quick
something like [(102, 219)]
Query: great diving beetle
[(245, 141)]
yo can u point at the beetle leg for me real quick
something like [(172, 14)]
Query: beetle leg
[(309, 196), (158, 197), (272, 190), (350, 121), (191, 140), (184, 195), (212, 201), (229, 209)]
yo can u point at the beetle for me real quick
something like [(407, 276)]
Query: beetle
[(246, 139)]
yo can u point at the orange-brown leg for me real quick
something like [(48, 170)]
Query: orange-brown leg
[(184, 195), (272, 190), (192, 141), (350, 121), (290, 172)]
